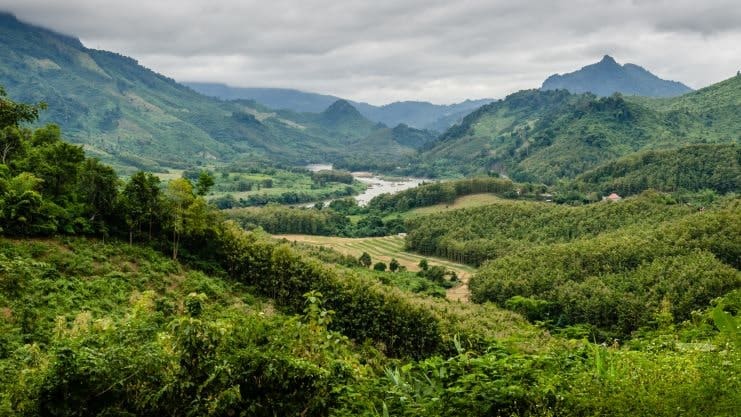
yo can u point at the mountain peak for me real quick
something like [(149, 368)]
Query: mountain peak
[(343, 116), (607, 77), (607, 59), (342, 108), (340, 105)]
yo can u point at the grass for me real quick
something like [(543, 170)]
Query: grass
[(384, 249), (473, 200), (467, 201)]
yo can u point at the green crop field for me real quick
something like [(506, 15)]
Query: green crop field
[(384, 249), (467, 201)]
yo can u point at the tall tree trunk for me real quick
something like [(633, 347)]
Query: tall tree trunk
[(174, 245)]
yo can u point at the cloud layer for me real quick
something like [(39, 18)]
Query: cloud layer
[(388, 50)]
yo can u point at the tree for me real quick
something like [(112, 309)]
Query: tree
[(21, 206), (394, 265), (54, 161), (97, 189), (365, 259), (379, 266), (141, 202), (179, 198), (423, 264), (12, 140), (205, 182), (13, 114)]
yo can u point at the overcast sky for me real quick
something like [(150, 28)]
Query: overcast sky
[(381, 51)]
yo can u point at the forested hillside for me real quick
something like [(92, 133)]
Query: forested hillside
[(544, 136), (134, 118), (477, 234), (135, 297), (620, 281), (691, 168)]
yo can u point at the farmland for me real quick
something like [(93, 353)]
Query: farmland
[(384, 249)]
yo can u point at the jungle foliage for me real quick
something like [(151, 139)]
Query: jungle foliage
[(122, 298)]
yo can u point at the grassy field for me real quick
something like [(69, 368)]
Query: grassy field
[(384, 249), (467, 201)]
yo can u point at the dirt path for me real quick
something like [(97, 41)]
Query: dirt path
[(460, 292)]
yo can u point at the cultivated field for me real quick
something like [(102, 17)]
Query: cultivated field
[(467, 201), (384, 249)]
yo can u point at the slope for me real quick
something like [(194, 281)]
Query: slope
[(607, 77), (547, 135), (135, 118), (691, 168)]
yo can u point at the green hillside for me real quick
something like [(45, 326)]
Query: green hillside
[(547, 135), (621, 281), (691, 168), (133, 118), (135, 298), (477, 234)]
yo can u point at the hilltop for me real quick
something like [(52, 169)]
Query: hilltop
[(607, 77)]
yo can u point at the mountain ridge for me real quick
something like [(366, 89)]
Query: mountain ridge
[(547, 135), (134, 118), (607, 77), (414, 113)]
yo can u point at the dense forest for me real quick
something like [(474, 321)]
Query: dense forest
[(134, 296), (477, 234), (690, 168), (547, 136)]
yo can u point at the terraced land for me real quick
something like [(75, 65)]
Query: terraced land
[(384, 249)]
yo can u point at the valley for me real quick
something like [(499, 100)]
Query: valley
[(201, 249)]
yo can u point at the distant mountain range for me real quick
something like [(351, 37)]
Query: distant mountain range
[(607, 77), (134, 118), (418, 114)]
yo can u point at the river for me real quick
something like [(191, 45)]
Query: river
[(376, 185)]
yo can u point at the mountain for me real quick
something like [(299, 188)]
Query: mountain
[(420, 114), (416, 114), (274, 98), (607, 77), (386, 149), (341, 116), (134, 118), (547, 135)]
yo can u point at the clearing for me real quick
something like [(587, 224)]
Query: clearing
[(385, 248), (467, 201)]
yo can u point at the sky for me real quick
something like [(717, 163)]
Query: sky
[(382, 51)]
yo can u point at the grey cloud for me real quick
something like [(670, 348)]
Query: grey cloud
[(387, 50)]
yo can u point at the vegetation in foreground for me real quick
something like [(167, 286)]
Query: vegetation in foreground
[(97, 321)]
